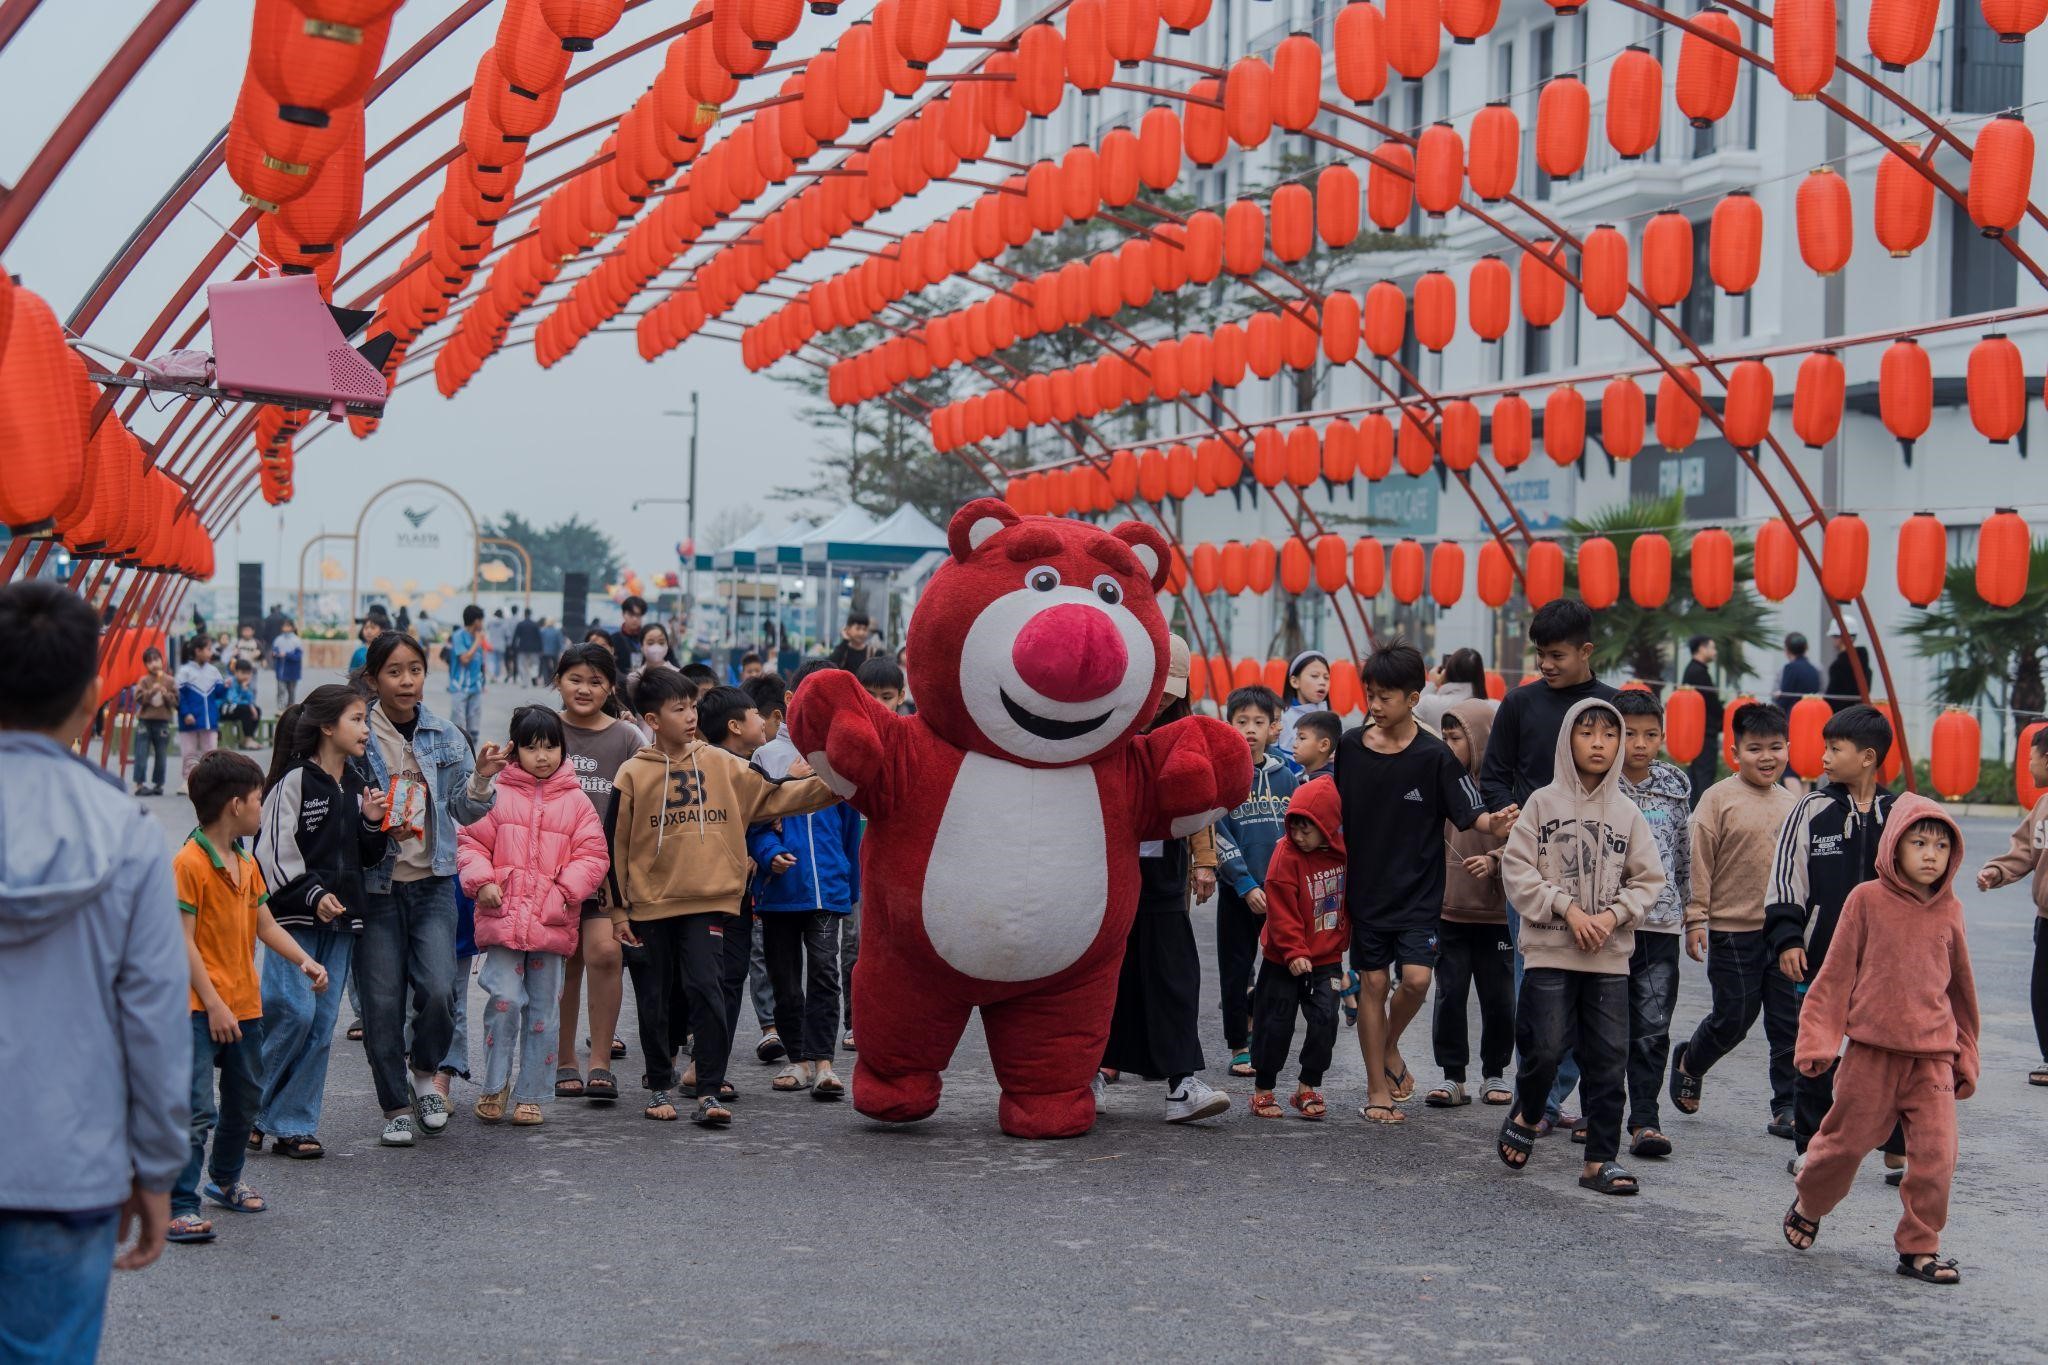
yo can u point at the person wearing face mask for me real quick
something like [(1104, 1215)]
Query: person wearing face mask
[(654, 653)]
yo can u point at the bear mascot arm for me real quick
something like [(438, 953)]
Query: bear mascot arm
[(1188, 775), (856, 744)]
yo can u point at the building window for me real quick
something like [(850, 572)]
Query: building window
[(1989, 75), (1535, 349), (1982, 275), (1696, 309), (1504, 69), (1545, 39)]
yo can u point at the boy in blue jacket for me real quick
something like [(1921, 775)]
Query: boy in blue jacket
[(807, 881), (201, 692), (1245, 840)]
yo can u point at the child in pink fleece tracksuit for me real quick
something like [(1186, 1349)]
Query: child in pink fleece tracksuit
[(530, 864), (1897, 982)]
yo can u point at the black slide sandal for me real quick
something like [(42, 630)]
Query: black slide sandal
[(1685, 1090), (1610, 1179), (1514, 1138), (602, 1087)]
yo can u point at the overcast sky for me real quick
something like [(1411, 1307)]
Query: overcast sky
[(587, 436)]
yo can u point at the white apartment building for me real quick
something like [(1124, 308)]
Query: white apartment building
[(1766, 145)]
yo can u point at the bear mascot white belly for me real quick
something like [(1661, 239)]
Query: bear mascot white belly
[(1000, 865)]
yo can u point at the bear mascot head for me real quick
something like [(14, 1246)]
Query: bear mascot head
[(1040, 641)]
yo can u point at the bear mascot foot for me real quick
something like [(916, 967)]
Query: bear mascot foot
[(1068, 1114), (904, 1098)]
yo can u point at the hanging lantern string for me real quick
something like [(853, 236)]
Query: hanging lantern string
[(1562, 533), (1970, 322)]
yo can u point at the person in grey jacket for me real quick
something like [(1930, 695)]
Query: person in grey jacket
[(93, 987)]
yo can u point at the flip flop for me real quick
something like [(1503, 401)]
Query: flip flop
[(238, 1197), (1404, 1084), (1395, 1116)]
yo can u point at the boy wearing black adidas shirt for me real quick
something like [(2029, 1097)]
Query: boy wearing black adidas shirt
[(1398, 784)]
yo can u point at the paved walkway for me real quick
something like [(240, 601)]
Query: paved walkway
[(806, 1231)]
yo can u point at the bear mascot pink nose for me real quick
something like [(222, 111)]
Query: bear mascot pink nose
[(1070, 653)]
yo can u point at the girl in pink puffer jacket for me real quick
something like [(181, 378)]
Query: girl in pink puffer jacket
[(530, 864)]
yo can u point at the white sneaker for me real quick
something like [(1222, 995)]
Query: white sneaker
[(1196, 1099), (1099, 1090), (397, 1131), (430, 1107)]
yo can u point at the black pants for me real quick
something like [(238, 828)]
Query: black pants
[(1743, 974), (2041, 985), (1585, 1014), (1237, 952), (245, 714), (1474, 955), (739, 960), (1813, 1096), (801, 949), (1705, 770), (1155, 1029), (1652, 991), (1279, 997), (686, 952)]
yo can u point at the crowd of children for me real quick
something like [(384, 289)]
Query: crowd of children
[(1537, 852)]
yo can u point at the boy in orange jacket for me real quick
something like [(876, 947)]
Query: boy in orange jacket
[(1897, 983), (1303, 943)]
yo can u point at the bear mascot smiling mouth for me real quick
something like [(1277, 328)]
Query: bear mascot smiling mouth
[(1000, 864)]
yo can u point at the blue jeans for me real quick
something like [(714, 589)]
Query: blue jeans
[(466, 710), (522, 1015), (1568, 1064), (456, 1063), (56, 1268), (152, 743), (241, 1090), (298, 1032), (408, 945)]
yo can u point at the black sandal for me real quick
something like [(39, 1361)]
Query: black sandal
[(1515, 1140), (660, 1099), (1930, 1272), (1649, 1142), (618, 1049), (1798, 1224), (1610, 1179), (602, 1087), (355, 1032), (1685, 1090), (255, 1139), (568, 1083), (711, 1114), (298, 1148)]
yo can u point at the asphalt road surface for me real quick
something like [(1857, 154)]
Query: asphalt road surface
[(807, 1231)]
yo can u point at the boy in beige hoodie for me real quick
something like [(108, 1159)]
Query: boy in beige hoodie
[(1582, 869), (2028, 856), (678, 831)]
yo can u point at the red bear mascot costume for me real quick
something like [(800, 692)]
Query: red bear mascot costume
[(1001, 858)]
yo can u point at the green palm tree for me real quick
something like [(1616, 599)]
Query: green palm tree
[(1644, 640), (1978, 648)]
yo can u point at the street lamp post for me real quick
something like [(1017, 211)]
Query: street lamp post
[(690, 511)]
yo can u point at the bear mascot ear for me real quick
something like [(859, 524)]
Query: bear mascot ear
[(974, 523), (1148, 545)]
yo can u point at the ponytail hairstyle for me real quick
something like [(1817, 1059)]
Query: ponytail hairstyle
[(298, 729), (599, 659)]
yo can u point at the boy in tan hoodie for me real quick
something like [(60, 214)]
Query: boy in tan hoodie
[(1897, 983), (1582, 869), (2029, 854), (678, 831)]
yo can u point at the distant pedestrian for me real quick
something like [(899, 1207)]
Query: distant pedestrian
[(93, 969), (156, 705), (288, 662), (466, 655), (201, 692), (1705, 769), (1798, 678)]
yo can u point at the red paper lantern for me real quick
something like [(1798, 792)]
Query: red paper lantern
[(42, 431), (1543, 575), (1635, 98), (2013, 20), (1817, 399), (1845, 557), (1514, 426), (1905, 202), (1297, 567), (1293, 213), (1900, 31), (1649, 571), (1368, 566), (1244, 237), (1360, 42), (1413, 36), (1922, 558), (1678, 409), (1746, 412), (1405, 569), (2004, 547), (1997, 387), (1332, 555), (1436, 310), (1603, 271), (1713, 568), (1447, 573), (1386, 318), (1488, 296), (1564, 425), (1599, 573), (1495, 580), (1826, 221), (1132, 30), (1439, 169), (1297, 82), (1621, 418), (1905, 391), (1493, 156), (1705, 87), (1808, 718), (1955, 754), (1248, 102), (1803, 45), (1564, 114), (1667, 259), (1337, 205), (2001, 175), (1685, 724), (1390, 186), (1735, 243), (1260, 562), (1468, 21), (1458, 441), (1776, 560)]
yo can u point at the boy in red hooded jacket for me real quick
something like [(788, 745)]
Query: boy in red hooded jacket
[(1897, 983), (1306, 933)]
